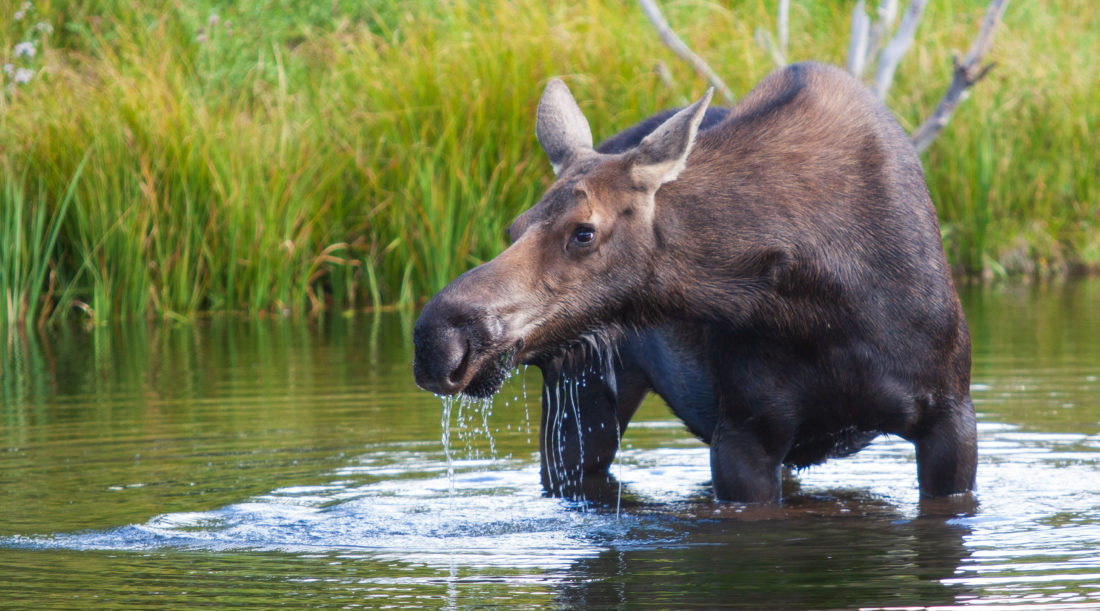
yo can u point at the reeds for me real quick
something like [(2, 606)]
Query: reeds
[(353, 155)]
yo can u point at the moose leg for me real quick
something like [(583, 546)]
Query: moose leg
[(585, 410), (743, 467), (947, 451)]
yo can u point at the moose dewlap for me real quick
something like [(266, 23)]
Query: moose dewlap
[(774, 271)]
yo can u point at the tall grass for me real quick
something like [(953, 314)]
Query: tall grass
[(29, 233), (293, 156)]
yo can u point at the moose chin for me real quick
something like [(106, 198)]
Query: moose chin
[(773, 271)]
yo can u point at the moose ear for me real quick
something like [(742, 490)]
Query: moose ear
[(561, 127), (661, 156)]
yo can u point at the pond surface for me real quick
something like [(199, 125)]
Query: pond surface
[(294, 464)]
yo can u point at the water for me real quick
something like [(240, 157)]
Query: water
[(294, 464)]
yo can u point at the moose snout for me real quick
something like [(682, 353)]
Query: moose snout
[(441, 351), (449, 341)]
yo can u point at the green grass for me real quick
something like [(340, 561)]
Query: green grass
[(29, 231), (313, 156)]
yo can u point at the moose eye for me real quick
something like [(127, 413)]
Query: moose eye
[(584, 235)]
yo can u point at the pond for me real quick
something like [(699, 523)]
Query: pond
[(293, 463)]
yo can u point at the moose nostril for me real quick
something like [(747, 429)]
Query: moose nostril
[(450, 338), (440, 355), (458, 371)]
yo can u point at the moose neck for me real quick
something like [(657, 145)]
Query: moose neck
[(717, 252), (754, 223)]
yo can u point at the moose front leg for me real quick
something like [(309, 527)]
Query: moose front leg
[(947, 450), (746, 463), (585, 410)]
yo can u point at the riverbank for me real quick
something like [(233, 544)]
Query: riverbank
[(168, 159)]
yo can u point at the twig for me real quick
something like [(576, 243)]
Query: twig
[(783, 27), (886, 14), (673, 42), (663, 73), (966, 73), (776, 47), (895, 50), (766, 42), (857, 46)]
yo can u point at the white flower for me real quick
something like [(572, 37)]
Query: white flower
[(9, 69), (44, 27), (23, 75), (27, 6), (24, 49), (213, 20), (19, 15)]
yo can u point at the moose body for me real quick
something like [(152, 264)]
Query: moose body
[(785, 266)]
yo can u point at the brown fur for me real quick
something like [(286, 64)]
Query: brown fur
[(800, 239)]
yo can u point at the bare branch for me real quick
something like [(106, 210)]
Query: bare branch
[(783, 27), (967, 72), (663, 73), (857, 46), (895, 50), (767, 43), (776, 47), (673, 42), (886, 14)]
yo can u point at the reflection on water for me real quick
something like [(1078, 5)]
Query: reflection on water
[(294, 464)]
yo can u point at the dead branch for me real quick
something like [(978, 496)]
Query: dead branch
[(966, 73), (673, 42), (866, 37), (887, 12), (857, 45), (776, 47), (663, 73), (782, 27), (767, 43), (893, 52)]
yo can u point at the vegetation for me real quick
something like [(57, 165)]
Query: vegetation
[(166, 158)]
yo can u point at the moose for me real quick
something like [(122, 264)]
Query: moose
[(774, 271)]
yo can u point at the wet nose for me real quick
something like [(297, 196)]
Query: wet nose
[(448, 339), (440, 352)]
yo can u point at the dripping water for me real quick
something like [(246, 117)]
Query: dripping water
[(619, 465), (472, 425), (486, 411), (575, 388), (526, 407), (559, 434), (445, 424), (466, 420)]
